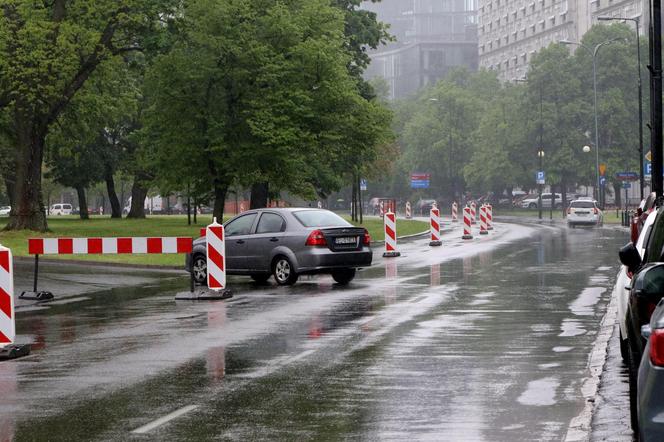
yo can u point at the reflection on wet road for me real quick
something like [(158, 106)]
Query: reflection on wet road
[(487, 341)]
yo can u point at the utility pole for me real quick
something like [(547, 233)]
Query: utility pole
[(656, 105)]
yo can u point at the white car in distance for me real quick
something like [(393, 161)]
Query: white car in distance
[(584, 212), (4, 210)]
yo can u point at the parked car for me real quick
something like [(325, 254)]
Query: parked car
[(622, 287), (643, 298), (4, 210), (286, 243), (650, 401), (531, 203), (61, 209), (424, 206), (584, 212)]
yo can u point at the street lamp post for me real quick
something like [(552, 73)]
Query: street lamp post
[(540, 156), (586, 149), (593, 53), (638, 56)]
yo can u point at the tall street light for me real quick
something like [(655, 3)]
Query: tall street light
[(638, 56), (586, 149), (540, 156), (593, 53)]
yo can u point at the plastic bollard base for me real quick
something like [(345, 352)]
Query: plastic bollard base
[(391, 254), (13, 351), (467, 237), (204, 295), (484, 232), (489, 228), (435, 243), (42, 296)]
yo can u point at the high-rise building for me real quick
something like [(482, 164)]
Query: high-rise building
[(510, 32), (432, 36)]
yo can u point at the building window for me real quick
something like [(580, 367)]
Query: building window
[(553, 20)]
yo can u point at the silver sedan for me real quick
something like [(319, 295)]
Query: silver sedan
[(286, 243)]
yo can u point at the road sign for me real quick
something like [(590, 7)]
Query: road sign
[(602, 169), (420, 180), (363, 185), (627, 176), (626, 185), (602, 181), (540, 177)]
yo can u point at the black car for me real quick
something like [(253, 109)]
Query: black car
[(646, 290)]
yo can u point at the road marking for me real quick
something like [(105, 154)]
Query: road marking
[(162, 420)]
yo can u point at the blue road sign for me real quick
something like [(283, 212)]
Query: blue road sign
[(626, 185), (627, 176), (540, 177), (363, 185), (602, 181), (419, 180)]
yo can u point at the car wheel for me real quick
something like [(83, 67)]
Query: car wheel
[(532, 206), (624, 349), (283, 271), (260, 278), (199, 268), (343, 276), (633, 365)]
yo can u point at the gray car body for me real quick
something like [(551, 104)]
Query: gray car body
[(254, 253), (650, 399)]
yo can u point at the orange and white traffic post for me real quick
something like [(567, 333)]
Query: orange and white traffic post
[(467, 232), (409, 210), (8, 349), (435, 228), (390, 222), (483, 229), (473, 212), (489, 217), (455, 212)]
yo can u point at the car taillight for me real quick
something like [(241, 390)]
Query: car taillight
[(367, 238), (595, 210), (657, 347), (316, 239), (569, 211)]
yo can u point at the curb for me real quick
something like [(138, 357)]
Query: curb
[(580, 427), (42, 260)]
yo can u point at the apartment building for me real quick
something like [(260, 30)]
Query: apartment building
[(510, 32), (432, 36)]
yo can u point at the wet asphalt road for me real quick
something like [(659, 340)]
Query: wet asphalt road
[(481, 341)]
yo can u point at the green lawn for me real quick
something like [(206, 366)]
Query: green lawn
[(610, 216), (175, 225)]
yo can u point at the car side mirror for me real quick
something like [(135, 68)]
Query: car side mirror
[(630, 257), (649, 283)]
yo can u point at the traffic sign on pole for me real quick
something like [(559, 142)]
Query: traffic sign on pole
[(540, 177)]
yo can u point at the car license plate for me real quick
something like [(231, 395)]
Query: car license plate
[(582, 213), (345, 240)]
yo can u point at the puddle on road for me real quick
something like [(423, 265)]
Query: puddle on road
[(540, 393)]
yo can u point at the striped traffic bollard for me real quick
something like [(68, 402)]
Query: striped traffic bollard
[(409, 211), (8, 350), (467, 233), (489, 217), (473, 212), (435, 228), (483, 229), (390, 236), (216, 259), (455, 212)]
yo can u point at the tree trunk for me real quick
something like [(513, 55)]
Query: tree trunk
[(220, 191), (116, 208), (138, 195), (259, 195), (82, 203), (27, 211), (618, 195)]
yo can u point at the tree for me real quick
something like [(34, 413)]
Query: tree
[(48, 52)]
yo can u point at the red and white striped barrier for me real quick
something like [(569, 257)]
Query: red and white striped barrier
[(216, 256), (8, 350), (483, 229), (467, 233), (455, 212), (390, 221), (409, 210), (489, 217), (108, 246), (7, 327), (435, 228), (381, 208), (473, 212)]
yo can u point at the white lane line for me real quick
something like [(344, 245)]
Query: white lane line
[(162, 420)]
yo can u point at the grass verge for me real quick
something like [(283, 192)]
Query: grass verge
[(174, 225)]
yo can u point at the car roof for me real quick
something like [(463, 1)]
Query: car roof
[(579, 200)]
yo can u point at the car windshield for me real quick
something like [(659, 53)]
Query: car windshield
[(319, 218), (582, 204)]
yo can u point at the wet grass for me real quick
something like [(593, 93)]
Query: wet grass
[(157, 226)]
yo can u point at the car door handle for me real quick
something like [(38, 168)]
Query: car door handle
[(274, 239), (239, 241)]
